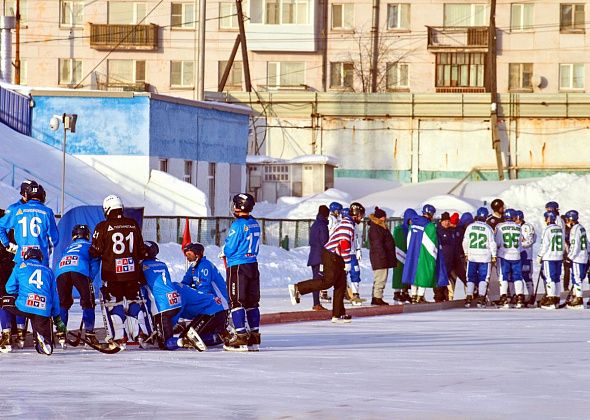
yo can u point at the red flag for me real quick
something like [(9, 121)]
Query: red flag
[(186, 235)]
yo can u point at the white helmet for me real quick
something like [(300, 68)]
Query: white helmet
[(112, 202)]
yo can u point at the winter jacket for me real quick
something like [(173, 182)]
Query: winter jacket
[(382, 245), (318, 236)]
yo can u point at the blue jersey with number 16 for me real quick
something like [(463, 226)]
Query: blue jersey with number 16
[(242, 242)]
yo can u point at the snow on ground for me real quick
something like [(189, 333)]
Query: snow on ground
[(484, 364)]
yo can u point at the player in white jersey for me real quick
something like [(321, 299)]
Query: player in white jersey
[(333, 220), (480, 247), (507, 238), (551, 257), (578, 255), (527, 240)]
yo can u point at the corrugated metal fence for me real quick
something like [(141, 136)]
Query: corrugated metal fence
[(15, 111), (287, 233)]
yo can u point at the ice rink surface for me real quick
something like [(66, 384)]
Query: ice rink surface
[(484, 364)]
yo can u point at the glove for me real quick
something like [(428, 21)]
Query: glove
[(12, 248), (8, 301), (493, 260), (59, 324), (359, 255), (539, 259), (347, 267)]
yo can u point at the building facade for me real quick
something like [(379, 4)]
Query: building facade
[(418, 46)]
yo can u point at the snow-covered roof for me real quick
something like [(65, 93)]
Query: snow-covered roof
[(305, 159)]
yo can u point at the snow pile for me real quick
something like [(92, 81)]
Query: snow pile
[(166, 194), (300, 207)]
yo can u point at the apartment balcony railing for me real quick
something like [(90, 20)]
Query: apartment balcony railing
[(124, 37), (458, 38)]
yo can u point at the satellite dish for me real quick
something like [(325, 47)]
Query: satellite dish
[(54, 123), (537, 80)]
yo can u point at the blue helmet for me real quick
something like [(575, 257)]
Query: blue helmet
[(428, 209), (552, 205), (345, 212), (509, 214), (572, 215), (335, 206), (519, 214), (482, 213), (549, 215)]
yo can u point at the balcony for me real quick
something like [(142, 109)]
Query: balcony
[(124, 37), (458, 39), (112, 85)]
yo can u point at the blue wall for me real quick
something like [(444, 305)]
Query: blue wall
[(105, 126), (193, 133)]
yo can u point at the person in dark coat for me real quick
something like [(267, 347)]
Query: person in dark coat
[(450, 240), (318, 236), (381, 253)]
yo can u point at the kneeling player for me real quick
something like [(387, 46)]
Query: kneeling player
[(480, 248), (551, 257), (32, 293), (77, 269), (578, 255)]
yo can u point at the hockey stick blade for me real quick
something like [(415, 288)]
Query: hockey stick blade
[(103, 347)]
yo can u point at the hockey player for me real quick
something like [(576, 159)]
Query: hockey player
[(400, 236), (578, 255), (243, 278), (497, 215), (6, 267), (118, 242), (333, 220), (336, 258), (32, 293), (318, 236), (507, 237), (353, 294), (202, 275), (527, 240), (480, 248), (551, 256), (77, 269)]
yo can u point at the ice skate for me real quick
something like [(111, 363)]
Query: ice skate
[(254, 341), (195, 340), (294, 294), (237, 342), (482, 302), (325, 297), (468, 300), (406, 298), (356, 300), (342, 319), (61, 339), (548, 302), (5, 346), (91, 337), (575, 303), (21, 337), (42, 346), (503, 302), (398, 298), (520, 302)]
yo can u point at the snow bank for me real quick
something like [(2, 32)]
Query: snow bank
[(300, 207), (168, 195)]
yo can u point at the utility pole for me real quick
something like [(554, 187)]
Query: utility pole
[(375, 38), (17, 46), (202, 24), (491, 81)]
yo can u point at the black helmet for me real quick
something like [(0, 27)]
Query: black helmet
[(497, 205), (80, 231), (33, 253), (196, 247), (243, 202), (31, 190), (151, 249), (357, 209)]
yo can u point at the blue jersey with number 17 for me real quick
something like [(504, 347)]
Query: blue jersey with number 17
[(242, 242)]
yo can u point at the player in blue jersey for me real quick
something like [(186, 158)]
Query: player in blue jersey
[(243, 278), (33, 224), (77, 269), (32, 292)]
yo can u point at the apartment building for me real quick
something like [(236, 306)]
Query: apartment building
[(422, 46)]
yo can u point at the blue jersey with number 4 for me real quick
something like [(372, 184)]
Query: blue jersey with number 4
[(242, 242), (77, 258), (35, 286), (34, 227), (162, 291)]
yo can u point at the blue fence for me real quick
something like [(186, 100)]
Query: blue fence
[(15, 111)]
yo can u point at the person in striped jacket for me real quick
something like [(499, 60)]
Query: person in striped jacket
[(336, 257)]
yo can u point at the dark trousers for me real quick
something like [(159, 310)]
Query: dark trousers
[(41, 324), (164, 323), (243, 285), (334, 275), (83, 284), (316, 274)]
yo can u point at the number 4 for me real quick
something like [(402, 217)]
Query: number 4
[(36, 279)]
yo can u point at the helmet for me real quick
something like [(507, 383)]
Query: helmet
[(497, 205), (31, 190), (151, 249), (33, 253), (80, 231), (26, 185), (428, 209), (335, 206), (482, 213), (112, 202), (519, 214), (509, 214), (549, 215), (572, 215), (552, 205), (243, 202), (357, 209), (196, 247), (345, 212)]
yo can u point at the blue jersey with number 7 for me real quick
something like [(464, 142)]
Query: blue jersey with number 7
[(242, 241)]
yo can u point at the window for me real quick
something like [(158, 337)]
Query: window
[(235, 75), (465, 15), (285, 74), (228, 16), (276, 12), (522, 17), (188, 171), (70, 71), (520, 76), (182, 16), (276, 173), (460, 69), (571, 17), (182, 74), (72, 13), (397, 76), (571, 76), (398, 16), (343, 16), (10, 9), (341, 75), (126, 71), (126, 13), (163, 165)]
